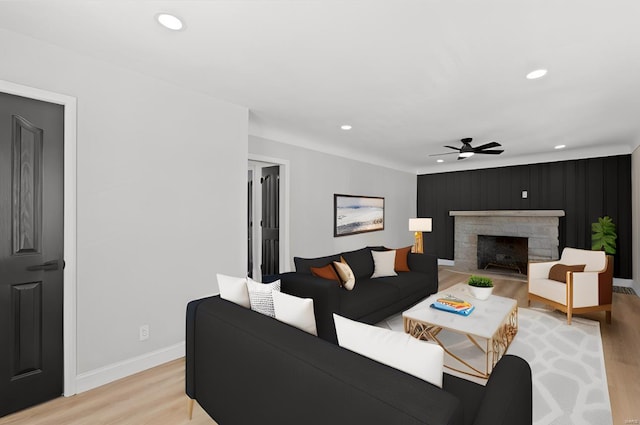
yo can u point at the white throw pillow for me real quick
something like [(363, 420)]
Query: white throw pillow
[(384, 263), (234, 289), (396, 349), (346, 275), (295, 311), (260, 296)]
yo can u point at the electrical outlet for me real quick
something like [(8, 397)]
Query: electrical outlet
[(144, 332), (525, 195)]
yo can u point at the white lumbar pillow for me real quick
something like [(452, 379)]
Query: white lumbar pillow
[(260, 296), (295, 311), (384, 263), (396, 349), (234, 289)]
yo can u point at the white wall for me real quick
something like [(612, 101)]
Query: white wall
[(161, 197), (635, 218), (315, 177)]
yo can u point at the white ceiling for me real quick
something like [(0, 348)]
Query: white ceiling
[(409, 76)]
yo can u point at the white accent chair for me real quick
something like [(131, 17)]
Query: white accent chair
[(586, 291)]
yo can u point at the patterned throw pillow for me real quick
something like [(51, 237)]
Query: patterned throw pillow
[(260, 296)]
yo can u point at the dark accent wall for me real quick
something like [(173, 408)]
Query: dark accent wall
[(585, 189)]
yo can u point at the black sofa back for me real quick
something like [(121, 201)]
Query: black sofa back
[(245, 368)]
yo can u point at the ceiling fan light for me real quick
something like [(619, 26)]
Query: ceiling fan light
[(170, 21), (538, 73), (466, 154)]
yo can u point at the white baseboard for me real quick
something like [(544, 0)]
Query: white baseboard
[(625, 283), (98, 377), (443, 262)]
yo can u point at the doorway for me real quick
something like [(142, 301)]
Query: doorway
[(69, 221), (267, 217)]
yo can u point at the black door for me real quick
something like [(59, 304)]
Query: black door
[(31, 252), (270, 220)]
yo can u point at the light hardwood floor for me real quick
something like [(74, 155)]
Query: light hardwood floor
[(156, 396)]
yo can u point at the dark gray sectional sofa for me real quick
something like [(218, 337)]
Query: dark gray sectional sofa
[(245, 368), (371, 300)]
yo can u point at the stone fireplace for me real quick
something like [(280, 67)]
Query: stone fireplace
[(538, 227)]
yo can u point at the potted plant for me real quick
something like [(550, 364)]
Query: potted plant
[(480, 287), (603, 235)]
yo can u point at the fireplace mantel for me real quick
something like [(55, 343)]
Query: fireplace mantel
[(509, 213), (540, 227)]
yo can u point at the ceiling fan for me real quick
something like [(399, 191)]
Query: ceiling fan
[(467, 150)]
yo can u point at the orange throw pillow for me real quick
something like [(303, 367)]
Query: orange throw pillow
[(559, 271), (402, 259), (326, 272)]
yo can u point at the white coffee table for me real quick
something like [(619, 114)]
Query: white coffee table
[(491, 326)]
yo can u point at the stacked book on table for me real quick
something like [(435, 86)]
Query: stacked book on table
[(453, 304)]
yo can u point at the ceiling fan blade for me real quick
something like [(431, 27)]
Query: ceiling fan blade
[(451, 147), (447, 153), (492, 152), (487, 146)]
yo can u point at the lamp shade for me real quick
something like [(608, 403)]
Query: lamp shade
[(420, 224)]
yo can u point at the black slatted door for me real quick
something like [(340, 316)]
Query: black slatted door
[(270, 220), (31, 252)]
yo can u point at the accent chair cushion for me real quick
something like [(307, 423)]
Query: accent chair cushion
[(399, 350), (558, 272), (383, 263)]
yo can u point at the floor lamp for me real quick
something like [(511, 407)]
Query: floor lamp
[(419, 225)]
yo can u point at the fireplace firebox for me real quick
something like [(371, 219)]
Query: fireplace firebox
[(506, 252)]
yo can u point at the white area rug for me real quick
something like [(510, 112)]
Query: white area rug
[(567, 362)]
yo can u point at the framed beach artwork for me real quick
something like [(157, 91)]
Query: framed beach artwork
[(357, 214)]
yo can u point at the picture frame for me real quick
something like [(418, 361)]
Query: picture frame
[(357, 214)]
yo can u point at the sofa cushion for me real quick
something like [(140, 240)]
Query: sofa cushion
[(399, 350), (367, 296), (383, 263), (303, 265), (407, 283), (360, 261)]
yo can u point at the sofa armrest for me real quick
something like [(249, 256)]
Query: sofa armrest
[(326, 299), (423, 263), (508, 394), (192, 308)]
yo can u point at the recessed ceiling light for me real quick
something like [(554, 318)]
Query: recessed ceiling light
[(538, 73), (560, 146), (170, 21), (346, 127), (440, 160)]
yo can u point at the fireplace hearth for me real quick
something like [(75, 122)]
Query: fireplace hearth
[(504, 252)]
